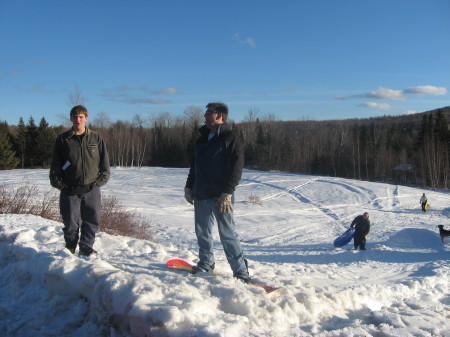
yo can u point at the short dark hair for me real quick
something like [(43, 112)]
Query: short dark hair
[(220, 108), (77, 110)]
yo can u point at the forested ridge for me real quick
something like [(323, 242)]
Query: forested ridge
[(409, 149)]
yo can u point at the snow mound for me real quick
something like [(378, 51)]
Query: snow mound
[(415, 238)]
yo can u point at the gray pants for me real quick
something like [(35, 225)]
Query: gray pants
[(80, 211)]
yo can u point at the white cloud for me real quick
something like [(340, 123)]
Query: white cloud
[(386, 93), (260, 93), (143, 100), (39, 89), (409, 112), (340, 97), (399, 95), (292, 90), (16, 73), (131, 87), (380, 106), (167, 91), (248, 41), (380, 93), (422, 90), (135, 93)]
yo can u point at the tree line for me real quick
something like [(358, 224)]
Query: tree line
[(410, 149)]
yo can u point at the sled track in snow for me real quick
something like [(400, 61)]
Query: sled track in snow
[(294, 194), (282, 191), (370, 197)]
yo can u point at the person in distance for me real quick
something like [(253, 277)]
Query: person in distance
[(362, 228)]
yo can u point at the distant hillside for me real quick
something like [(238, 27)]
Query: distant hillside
[(407, 119)]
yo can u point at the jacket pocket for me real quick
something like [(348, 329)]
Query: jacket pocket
[(93, 148)]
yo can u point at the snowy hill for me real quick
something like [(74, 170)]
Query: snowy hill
[(398, 287)]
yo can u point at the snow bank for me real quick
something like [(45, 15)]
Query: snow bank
[(399, 287)]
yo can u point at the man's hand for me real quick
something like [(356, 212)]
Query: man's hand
[(224, 203), (188, 195)]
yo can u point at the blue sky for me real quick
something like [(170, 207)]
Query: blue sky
[(294, 60)]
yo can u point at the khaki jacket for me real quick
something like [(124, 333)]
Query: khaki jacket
[(79, 161)]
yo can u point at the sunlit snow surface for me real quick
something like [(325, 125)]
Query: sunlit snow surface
[(398, 287)]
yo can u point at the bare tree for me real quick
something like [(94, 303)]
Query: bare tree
[(193, 116), (75, 97), (140, 139), (102, 121), (252, 115)]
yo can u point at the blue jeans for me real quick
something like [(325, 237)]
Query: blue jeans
[(205, 213)]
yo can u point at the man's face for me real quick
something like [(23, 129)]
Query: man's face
[(211, 117), (79, 122)]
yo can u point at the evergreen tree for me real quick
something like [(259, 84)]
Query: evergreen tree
[(364, 142), (441, 130), (44, 146), (285, 155), (20, 142), (442, 147), (8, 158), (426, 129), (263, 143), (31, 144), (433, 140)]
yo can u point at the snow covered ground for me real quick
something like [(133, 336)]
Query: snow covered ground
[(398, 287)]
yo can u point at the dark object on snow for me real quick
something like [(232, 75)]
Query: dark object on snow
[(443, 232), (345, 238)]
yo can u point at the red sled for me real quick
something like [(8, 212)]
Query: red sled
[(179, 264)]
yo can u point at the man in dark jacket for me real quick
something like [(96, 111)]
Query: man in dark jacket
[(80, 166), (213, 176), (362, 228)]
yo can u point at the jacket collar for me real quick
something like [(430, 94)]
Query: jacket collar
[(72, 133), (204, 130)]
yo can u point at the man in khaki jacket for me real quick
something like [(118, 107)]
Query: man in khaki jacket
[(80, 166)]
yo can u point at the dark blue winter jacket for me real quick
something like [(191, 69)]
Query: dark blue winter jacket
[(362, 226), (217, 164)]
